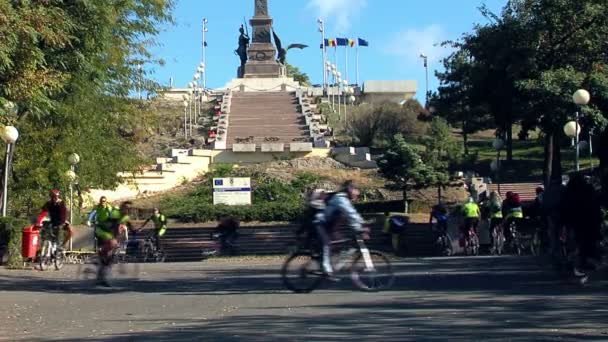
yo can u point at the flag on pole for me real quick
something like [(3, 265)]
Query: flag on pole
[(331, 42), (351, 43), (363, 42), (342, 41)]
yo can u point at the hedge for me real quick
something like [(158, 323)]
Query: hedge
[(193, 211), (10, 238)]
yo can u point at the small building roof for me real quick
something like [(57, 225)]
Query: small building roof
[(400, 87)]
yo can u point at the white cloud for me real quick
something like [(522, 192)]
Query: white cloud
[(410, 43), (338, 13)]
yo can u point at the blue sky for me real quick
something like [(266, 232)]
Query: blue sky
[(397, 30)]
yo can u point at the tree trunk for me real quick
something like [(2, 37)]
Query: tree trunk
[(407, 210), (509, 130), (465, 137), (602, 153), (552, 168), (439, 194)]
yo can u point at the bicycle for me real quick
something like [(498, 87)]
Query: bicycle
[(370, 270), (516, 245), (498, 240), (50, 253), (471, 243), (150, 251), (443, 242)]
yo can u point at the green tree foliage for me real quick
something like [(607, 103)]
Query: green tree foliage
[(524, 64), (376, 124), (403, 164), (297, 75), (441, 152), (69, 67)]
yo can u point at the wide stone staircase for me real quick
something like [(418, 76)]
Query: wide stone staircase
[(266, 117)]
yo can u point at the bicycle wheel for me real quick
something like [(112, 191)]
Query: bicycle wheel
[(44, 259), (380, 277), (59, 259), (301, 272)]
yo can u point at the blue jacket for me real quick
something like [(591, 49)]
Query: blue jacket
[(340, 206)]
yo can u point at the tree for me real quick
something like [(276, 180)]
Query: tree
[(441, 152), (297, 75), (69, 68), (375, 124), (527, 62), (403, 164)]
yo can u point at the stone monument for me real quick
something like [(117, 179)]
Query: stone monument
[(261, 53)]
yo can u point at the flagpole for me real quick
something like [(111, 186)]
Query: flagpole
[(346, 61), (357, 64)]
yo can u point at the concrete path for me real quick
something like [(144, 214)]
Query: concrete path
[(482, 298)]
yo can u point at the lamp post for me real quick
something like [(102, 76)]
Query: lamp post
[(345, 94), (10, 135), (324, 50), (196, 94), (580, 98), (334, 73), (498, 144), (204, 62), (338, 84), (73, 159), (185, 118), (425, 58), (326, 75), (190, 97), (572, 129)]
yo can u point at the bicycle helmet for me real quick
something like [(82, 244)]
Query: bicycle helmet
[(54, 193)]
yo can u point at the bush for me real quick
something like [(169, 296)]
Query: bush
[(10, 238), (189, 210)]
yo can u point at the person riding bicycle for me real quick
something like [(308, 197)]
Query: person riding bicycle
[(107, 234), (339, 206), (512, 212), (100, 214), (494, 210), (160, 227), (439, 212), (228, 230), (56, 212), (471, 214)]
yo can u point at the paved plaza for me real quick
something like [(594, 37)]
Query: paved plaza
[(483, 298)]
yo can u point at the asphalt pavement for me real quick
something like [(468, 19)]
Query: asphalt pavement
[(434, 299)]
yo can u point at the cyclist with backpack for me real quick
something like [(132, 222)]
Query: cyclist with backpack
[(107, 234), (512, 213), (338, 207)]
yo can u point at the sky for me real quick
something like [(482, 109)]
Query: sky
[(398, 31)]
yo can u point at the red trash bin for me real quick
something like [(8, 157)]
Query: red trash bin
[(30, 240)]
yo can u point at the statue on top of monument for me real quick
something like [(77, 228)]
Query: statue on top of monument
[(241, 51), (282, 53)]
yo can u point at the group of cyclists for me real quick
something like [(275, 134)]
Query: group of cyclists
[(111, 224), (500, 213)]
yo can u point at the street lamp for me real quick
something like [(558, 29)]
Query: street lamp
[(498, 144), (580, 98), (204, 62), (426, 68), (324, 50), (73, 159), (185, 119), (10, 135)]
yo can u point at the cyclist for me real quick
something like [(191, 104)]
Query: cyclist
[(512, 212), (228, 230), (56, 213), (440, 213), (339, 206), (119, 222), (160, 226), (471, 214), (494, 209), (100, 214)]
